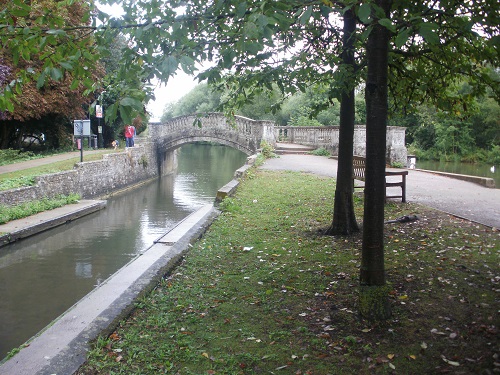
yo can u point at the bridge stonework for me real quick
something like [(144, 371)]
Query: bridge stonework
[(328, 137), (246, 135)]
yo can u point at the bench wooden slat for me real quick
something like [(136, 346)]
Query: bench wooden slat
[(358, 173)]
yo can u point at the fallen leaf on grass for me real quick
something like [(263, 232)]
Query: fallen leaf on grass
[(390, 356), (452, 363), (436, 332)]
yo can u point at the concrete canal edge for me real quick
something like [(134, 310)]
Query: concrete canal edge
[(26, 227), (483, 181), (61, 348)]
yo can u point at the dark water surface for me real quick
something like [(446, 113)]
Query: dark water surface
[(42, 276)]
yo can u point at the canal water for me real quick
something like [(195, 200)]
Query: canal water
[(471, 169), (42, 276)]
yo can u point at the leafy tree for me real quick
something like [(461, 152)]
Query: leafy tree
[(41, 113), (204, 98), (301, 109), (373, 294), (262, 106), (443, 135), (427, 35), (486, 123), (251, 44), (344, 220)]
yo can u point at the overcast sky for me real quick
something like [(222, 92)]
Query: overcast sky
[(177, 87)]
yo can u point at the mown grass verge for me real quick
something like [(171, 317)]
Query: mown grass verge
[(265, 292), (31, 208)]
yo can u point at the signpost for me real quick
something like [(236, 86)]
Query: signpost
[(81, 128), (99, 110)]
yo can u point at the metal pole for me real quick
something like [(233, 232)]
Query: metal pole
[(81, 143), (99, 134)]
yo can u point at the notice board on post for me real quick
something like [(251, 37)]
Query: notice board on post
[(81, 128)]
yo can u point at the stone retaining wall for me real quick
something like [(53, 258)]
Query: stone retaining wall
[(92, 178)]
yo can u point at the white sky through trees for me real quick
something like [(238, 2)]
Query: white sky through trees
[(177, 86)]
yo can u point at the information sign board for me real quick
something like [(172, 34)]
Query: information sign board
[(81, 128)]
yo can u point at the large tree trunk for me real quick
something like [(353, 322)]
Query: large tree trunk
[(344, 219), (373, 291)]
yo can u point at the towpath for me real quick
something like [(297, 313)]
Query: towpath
[(47, 160)]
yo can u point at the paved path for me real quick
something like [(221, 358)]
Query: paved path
[(47, 160), (460, 198)]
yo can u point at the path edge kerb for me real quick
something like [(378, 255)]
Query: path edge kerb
[(75, 355), (483, 181)]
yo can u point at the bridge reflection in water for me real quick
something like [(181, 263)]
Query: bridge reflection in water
[(42, 276)]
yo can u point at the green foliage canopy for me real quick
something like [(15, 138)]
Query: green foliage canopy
[(251, 44)]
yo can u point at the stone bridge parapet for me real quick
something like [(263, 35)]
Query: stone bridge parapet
[(328, 137), (242, 133), (246, 135)]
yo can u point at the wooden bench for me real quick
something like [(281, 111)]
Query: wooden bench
[(358, 173)]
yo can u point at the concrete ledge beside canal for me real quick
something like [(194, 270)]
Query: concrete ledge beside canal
[(18, 229), (483, 181), (62, 346)]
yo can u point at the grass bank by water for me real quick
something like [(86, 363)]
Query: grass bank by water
[(265, 292)]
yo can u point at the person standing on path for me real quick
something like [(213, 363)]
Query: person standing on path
[(129, 135)]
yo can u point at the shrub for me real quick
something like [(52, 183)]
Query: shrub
[(321, 152), (267, 150), (10, 156)]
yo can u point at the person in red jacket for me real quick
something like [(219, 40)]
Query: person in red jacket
[(129, 135)]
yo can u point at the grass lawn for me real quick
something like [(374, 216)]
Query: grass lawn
[(264, 292), (26, 177)]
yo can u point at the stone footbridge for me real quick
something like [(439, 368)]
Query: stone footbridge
[(246, 135)]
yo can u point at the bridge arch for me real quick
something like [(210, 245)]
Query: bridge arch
[(242, 133), (246, 135)]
